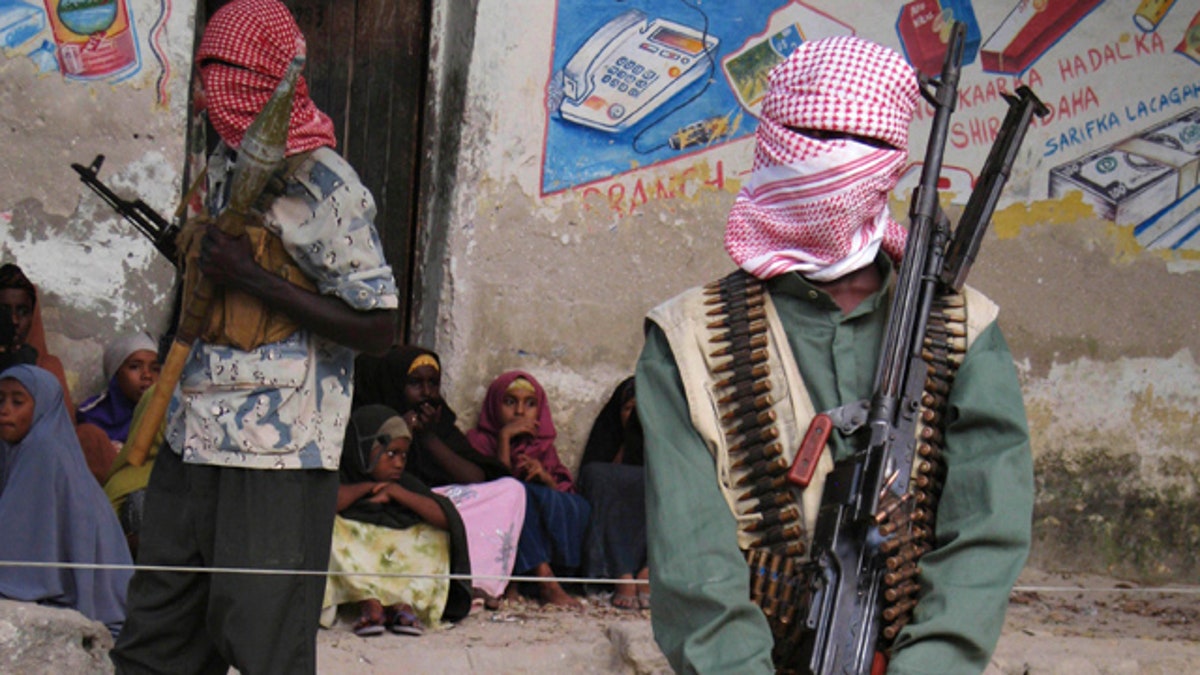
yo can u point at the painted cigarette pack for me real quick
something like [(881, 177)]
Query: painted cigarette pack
[(924, 30), (1029, 30)]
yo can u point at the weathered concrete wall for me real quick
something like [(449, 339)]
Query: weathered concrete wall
[(1100, 316), (529, 264), (96, 275)]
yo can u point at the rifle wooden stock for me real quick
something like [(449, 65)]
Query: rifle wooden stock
[(191, 323)]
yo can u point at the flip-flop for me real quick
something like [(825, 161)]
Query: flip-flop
[(643, 598), (368, 627), (404, 622)]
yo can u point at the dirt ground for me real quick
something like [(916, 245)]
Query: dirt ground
[(1125, 610), (1056, 624)]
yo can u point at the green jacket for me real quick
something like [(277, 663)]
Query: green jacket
[(703, 618)]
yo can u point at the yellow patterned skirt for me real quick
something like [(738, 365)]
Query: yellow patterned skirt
[(418, 550)]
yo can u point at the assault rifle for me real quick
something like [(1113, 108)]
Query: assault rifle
[(148, 221), (861, 524)]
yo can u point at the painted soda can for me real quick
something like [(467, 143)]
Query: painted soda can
[(95, 39), (1150, 12)]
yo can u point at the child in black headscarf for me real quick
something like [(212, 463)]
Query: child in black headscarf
[(389, 521)]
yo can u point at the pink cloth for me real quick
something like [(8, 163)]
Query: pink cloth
[(820, 207), (485, 436), (492, 515)]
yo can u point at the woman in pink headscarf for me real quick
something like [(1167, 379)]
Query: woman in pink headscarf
[(515, 427)]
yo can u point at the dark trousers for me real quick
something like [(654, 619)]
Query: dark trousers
[(553, 531), (208, 516)]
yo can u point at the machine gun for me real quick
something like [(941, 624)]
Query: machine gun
[(864, 531), (148, 221)]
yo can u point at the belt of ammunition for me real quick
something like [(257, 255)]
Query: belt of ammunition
[(912, 519), (739, 331)]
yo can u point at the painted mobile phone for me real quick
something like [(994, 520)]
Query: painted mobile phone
[(629, 68)]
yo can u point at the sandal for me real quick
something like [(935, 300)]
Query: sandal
[(368, 627), (486, 600), (643, 598), (402, 621)]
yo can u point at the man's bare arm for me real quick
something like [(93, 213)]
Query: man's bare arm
[(228, 261)]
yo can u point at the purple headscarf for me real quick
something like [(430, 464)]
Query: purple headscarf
[(111, 410)]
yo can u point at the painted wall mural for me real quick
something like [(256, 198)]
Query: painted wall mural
[(85, 40), (636, 84), (641, 82)]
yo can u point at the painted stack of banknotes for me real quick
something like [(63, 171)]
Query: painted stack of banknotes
[(1150, 181)]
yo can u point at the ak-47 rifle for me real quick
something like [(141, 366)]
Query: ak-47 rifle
[(859, 537), (148, 221)]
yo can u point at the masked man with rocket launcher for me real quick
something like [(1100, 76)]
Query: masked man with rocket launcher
[(285, 281)]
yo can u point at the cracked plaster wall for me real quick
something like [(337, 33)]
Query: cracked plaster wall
[(97, 276), (1104, 332)]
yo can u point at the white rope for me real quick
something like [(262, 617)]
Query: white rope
[(1176, 590), (1180, 590), (330, 573)]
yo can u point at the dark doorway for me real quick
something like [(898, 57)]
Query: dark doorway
[(367, 66)]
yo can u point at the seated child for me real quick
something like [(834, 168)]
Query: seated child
[(390, 522), (126, 484), (492, 504), (515, 427), (51, 509), (613, 480), (17, 303), (130, 368)]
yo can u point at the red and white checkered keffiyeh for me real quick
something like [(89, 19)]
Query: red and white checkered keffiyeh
[(246, 48), (820, 207)]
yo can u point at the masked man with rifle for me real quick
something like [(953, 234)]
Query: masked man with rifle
[(247, 475), (733, 373)]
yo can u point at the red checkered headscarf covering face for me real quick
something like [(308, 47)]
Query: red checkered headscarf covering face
[(246, 48), (820, 207)]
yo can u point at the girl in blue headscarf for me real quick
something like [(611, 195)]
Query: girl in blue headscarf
[(51, 509)]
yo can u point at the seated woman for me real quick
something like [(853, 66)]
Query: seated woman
[(613, 480), (126, 484), (18, 299), (492, 504), (515, 427), (130, 367), (51, 509), (390, 522)]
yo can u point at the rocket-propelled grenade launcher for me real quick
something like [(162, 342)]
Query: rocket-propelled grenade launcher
[(260, 155)]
